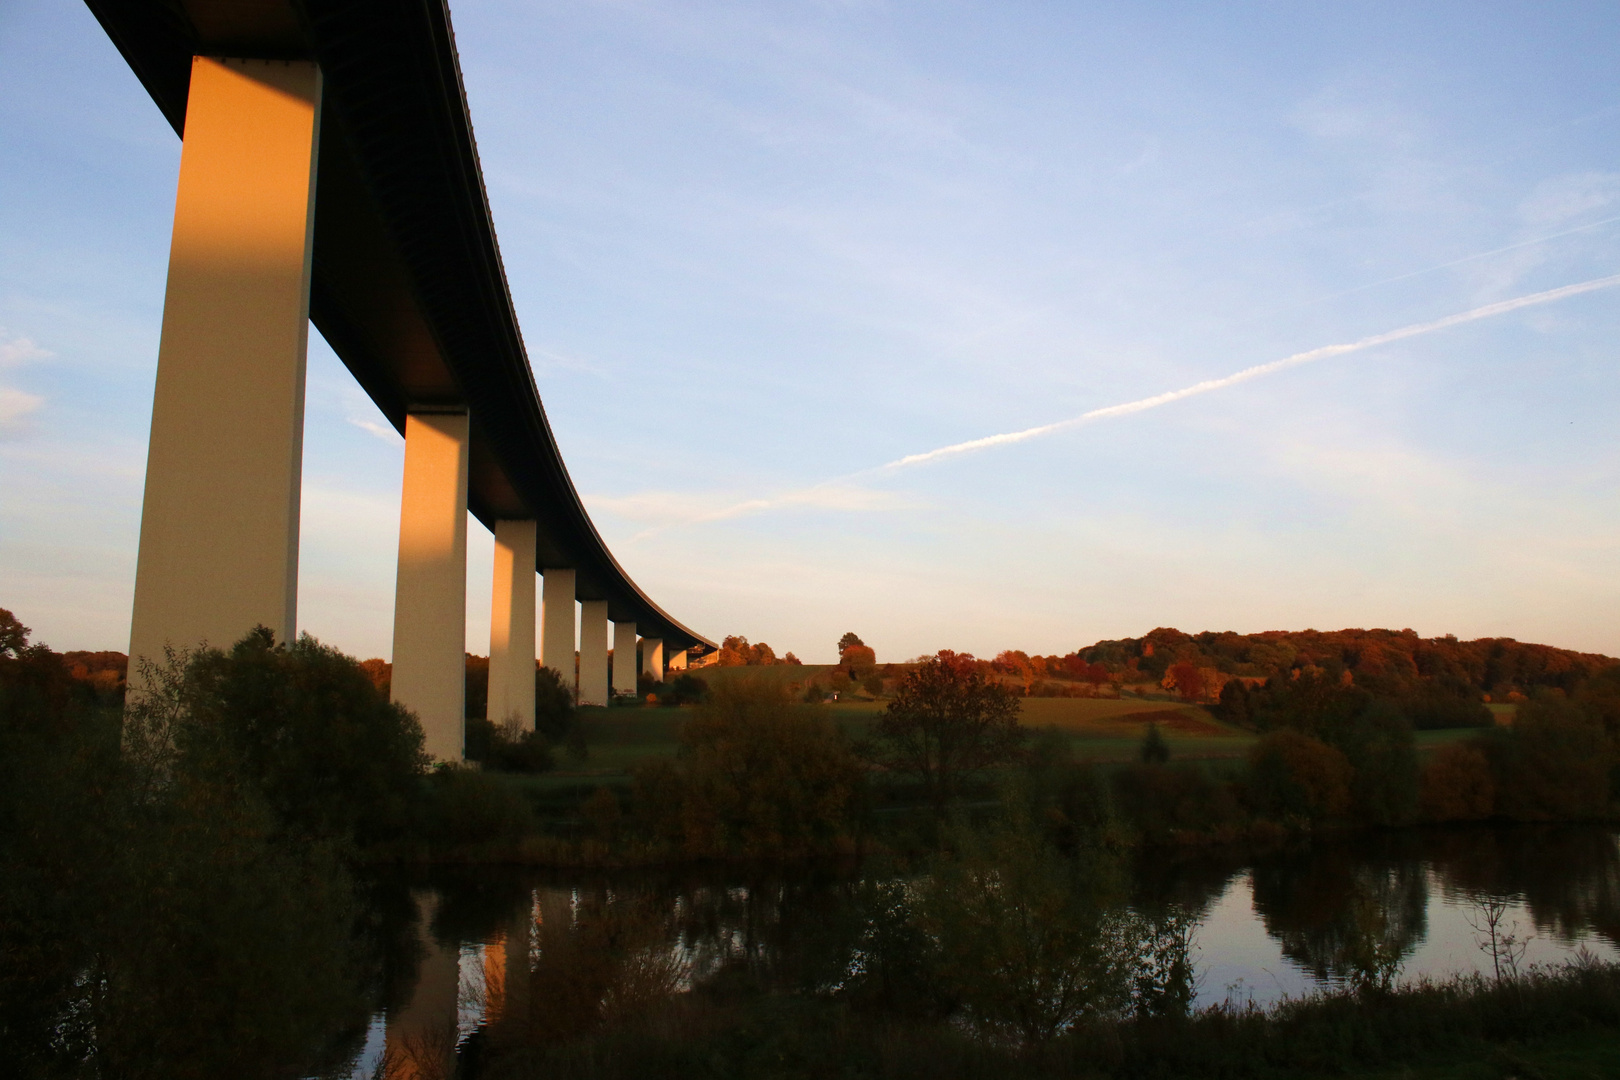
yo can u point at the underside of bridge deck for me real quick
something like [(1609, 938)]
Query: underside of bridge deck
[(405, 281)]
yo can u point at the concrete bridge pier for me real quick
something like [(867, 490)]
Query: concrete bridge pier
[(511, 625), (677, 661), (624, 658), (652, 658), (430, 599), (557, 624), (593, 652), (219, 518)]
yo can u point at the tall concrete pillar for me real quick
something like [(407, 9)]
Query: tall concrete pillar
[(511, 625), (430, 598), (652, 658), (624, 658), (593, 652), (557, 624), (219, 520), (677, 661)]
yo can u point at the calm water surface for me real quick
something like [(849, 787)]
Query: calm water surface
[(1268, 926)]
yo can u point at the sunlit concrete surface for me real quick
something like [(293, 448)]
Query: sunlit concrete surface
[(511, 625), (557, 623), (219, 522), (430, 628)]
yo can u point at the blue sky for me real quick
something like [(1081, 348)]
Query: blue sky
[(760, 250)]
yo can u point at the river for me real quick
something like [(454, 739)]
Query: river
[(1264, 927)]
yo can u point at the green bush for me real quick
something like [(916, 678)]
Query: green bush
[(506, 748), (302, 724), (1293, 776), (756, 775), (470, 808)]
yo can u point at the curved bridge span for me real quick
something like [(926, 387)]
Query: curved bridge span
[(329, 174)]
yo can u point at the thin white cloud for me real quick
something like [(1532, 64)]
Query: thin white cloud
[(21, 350), (380, 431), (1562, 198), (1143, 404), (14, 405)]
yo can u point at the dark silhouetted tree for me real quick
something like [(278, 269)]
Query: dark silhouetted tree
[(946, 722)]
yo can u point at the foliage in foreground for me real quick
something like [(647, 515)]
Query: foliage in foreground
[(131, 879), (721, 1035)]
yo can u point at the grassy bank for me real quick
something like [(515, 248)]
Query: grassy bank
[(1554, 1024)]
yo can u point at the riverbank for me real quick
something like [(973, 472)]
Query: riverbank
[(1549, 1023)]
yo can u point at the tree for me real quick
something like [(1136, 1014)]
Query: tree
[(860, 660), (756, 775), (14, 635), (851, 638), (1457, 785), (947, 722), (1186, 679), (304, 726), (1295, 776), (1154, 750)]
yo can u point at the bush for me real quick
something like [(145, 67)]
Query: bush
[(1295, 776), (1025, 942), (1381, 751), (467, 808), (1553, 764), (553, 705), (157, 917), (755, 776), (302, 724), (1457, 785), (684, 690), (508, 748)]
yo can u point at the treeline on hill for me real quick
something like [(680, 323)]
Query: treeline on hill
[(1428, 673)]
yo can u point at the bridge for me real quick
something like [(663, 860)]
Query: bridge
[(328, 174)]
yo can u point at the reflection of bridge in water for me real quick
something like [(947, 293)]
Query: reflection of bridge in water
[(328, 174)]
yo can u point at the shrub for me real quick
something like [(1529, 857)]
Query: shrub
[(553, 705), (1025, 943), (1295, 776), (1154, 750), (302, 724), (467, 807), (1379, 746), (684, 690), (1457, 785), (1553, 764), (1157, 800), (756, 776)]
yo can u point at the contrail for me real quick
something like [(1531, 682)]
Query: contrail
[(813, 494), (1142, 404)]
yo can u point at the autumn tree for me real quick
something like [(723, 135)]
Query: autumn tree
[(1017, 663), (860, 659), (946, 722), (851, 638)]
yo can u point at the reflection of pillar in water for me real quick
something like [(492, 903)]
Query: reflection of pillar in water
[(422, 1035), (506, 970)]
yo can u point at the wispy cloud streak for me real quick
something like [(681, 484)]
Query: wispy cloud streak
[(842, 492), (1322, 353)]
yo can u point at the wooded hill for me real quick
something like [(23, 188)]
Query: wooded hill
[(1383, 662)]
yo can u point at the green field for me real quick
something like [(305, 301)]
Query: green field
[(1098, 729)]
